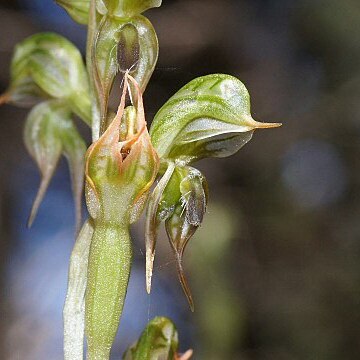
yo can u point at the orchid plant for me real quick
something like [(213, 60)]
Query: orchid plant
[(208, 117)]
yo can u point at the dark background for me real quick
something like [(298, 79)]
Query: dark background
[(275, 268)]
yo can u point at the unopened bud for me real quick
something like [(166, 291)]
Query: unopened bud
[(49, 132), (47, 65), (124, 45), (159, 340)]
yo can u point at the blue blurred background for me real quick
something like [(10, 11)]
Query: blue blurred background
[(275, 269)]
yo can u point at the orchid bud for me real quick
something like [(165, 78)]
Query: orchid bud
[(208, 117), (43, 142), (120, 168), (49, 132), (125, 8), (45, 66), (159, 340), (78, 10), (180, 200), (123, 44)]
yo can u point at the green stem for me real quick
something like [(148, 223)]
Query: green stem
[(108, 277)]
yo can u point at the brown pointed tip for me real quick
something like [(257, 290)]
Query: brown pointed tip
[(4, 98), (186, 356), (192, 307), (261, 125), (38, 199), (185, 285), (33, 212), (32, 215), (150, 256)]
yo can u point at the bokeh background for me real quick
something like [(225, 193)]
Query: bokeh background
[(275, 268)]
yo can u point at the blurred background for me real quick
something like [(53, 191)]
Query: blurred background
[(275, 268)]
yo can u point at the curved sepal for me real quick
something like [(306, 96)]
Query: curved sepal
[(159, 340), (49, 132), (47, 65), (153, 219), (208, 117)]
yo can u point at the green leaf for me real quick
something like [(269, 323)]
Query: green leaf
[(126, 8), (50, 132), (77, 9), (208, 117), (74, 308), (46, 65), (159, 340), (123, 44)]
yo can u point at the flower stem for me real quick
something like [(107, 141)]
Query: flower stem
[(108, 276)]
